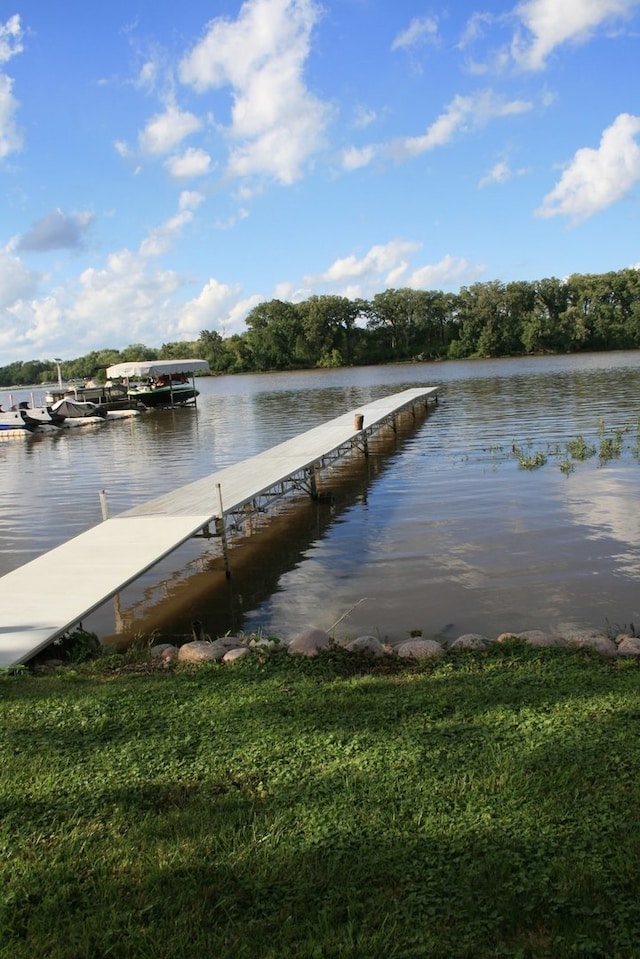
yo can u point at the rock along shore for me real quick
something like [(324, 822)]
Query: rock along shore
[(313, 641)]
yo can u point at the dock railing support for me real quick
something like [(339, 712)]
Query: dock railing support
[(221, 530), (103, 504)]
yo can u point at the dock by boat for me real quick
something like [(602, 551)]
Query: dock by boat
[(126, 546)]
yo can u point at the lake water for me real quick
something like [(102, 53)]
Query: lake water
[(439, 530)]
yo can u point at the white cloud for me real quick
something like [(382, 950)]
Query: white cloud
[(10, 136), (363, 117), (419, 30), (124, 302), (190, 200), (10, 45), (211, 309), (449, 271), (378, 262), (165, 131), (16, 282), (241, 214), (193, 162), (501, 172), (10, 38), (550, 23), (160, 239), (354, 158), (383, 267), (277, 124), (461, 115), (597, 178)]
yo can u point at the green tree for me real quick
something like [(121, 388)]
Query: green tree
[(273, 335)]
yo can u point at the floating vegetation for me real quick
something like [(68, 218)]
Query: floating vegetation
[(532, 462), (579, 449), (610, 446)]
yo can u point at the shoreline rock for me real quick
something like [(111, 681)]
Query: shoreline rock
[(313, 641)]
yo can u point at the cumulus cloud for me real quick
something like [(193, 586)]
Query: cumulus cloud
[(419, 30), (209, 310), (192, 163), (57, 231), (16, 282), (546, 24), (277, 124), (165, 131), (378, 263), (386, 266), (449, 271), (10, 45), (596, 178), (124, 301)]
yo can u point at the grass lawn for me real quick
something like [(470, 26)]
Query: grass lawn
[(484, 806)]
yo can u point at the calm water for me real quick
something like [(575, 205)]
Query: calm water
[(440, 530)]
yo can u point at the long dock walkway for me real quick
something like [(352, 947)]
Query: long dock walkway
[(51, 594)]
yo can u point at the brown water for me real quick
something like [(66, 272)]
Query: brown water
[(439, 530)]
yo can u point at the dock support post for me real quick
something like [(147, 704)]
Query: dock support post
[(313, 480), (221, 530), (103, 504)]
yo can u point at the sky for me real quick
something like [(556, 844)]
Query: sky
[(165, 167)]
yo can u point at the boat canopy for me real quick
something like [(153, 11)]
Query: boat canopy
[(156, 368)]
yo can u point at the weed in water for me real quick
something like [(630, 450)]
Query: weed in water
[(579, 449)]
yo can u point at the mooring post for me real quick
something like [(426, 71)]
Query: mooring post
[(103, 504), (221, 530)]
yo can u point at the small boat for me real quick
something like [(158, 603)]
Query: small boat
[(16, 423), (112, 396), (44, 415), (69, 408), (160, 383)]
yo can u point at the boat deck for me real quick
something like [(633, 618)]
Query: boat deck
[(50, 595)]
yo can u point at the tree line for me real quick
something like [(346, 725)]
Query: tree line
[(583, 312)]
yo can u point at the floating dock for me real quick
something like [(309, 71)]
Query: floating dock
[(50, 595)]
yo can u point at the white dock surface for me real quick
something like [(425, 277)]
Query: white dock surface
[(53, 593)]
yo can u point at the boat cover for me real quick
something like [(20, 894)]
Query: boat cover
[(155, 368)]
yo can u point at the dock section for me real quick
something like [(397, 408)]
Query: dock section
[(50, 595)]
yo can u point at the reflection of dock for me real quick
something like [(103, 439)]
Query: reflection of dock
[(46, 597)]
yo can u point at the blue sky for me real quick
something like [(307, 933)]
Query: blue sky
[(165, 167)]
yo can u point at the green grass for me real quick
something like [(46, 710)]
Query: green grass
[(484, 806)]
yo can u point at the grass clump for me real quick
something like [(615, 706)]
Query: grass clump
[(483, 806)]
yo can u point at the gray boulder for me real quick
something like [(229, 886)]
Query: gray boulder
[(232, 654), (629, 646), (199, 652), (367, 646), (596, 641), (420, 649), (310, 642), (470, 641)]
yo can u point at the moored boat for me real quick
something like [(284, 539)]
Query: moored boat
[(111, 396), (69, 408), (160, 383), (15, 423)]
